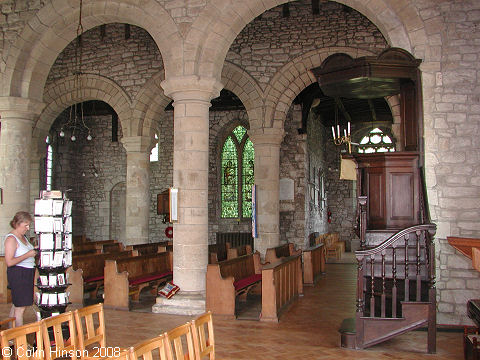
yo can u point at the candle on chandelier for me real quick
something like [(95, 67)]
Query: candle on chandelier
[(349, 128), (333, 132)]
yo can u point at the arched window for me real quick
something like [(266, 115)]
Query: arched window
[(376, 141), (154, 152), (48, 165), (237, 176)]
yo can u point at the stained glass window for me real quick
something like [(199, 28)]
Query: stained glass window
[(247, 178), (229, 179), (376, 141), (237, 161)]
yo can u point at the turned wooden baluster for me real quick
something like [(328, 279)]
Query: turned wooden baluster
[(383, 299), (394, 287), (372, 285), (360, 287), (407, 281), (419, 277), (362, 202)]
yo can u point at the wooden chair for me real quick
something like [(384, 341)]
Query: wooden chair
[(203, 339), (150, 349), (176, 339), (59, 343), (90, 323), (10, 320), (21, 347)]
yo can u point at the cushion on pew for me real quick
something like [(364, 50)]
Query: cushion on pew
[(243, 283), (149, 277), (93, 279)]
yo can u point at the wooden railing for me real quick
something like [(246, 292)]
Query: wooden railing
[(281, 284), (313, 263), (402, 268)]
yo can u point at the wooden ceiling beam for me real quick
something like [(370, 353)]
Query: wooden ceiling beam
[(344, 111)]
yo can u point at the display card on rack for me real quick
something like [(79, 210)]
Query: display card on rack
[(68, 241), (67, 261), (68, 225), (67, 207), (58, 241), (62, 298), (43, 224), (46, 241), (57, 225), (61, 279), (46, 259), (43, 280), (38, 296), (52, 299), (58, 259), (44, 299), (52, 280), (43, 207), (57, 207)]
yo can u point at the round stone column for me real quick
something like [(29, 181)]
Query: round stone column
[(17, 118), (191, 97), (266, 143), (137, 189)]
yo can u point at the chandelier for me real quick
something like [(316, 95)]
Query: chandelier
[(338, 138), (76, 122)]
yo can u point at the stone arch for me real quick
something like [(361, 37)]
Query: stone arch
[(63, 93), (219, 24), (52, 28), (293, 78), (246, 88), (149, 106)]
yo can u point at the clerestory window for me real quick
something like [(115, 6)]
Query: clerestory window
[(237, 177)]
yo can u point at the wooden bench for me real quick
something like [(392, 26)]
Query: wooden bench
[(281, 285), (231, 278), (238, 251), (277, 253), (149, 248), (313, 264), (128, 276), (86, 273), (216, 253)]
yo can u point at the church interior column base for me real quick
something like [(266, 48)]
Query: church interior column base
[(182, 303)]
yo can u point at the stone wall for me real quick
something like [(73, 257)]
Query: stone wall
[(129, 62), (75, 166), (293, 159), (270, 40)]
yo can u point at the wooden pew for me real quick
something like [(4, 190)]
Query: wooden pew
[(216, 253), (231, 278), (275, 254), (313, 264), (281, 285), (128, 276), (238, 251), (86, 273), (149, 248)]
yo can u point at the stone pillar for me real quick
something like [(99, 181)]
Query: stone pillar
[(137, 188), (191, 97), (18, 116), (266, 143)]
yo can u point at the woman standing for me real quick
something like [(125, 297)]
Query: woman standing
[(20, 260)]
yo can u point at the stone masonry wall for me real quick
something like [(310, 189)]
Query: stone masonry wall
[(293, 158), (270, 40)]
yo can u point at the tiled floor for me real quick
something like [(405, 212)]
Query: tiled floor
[(307, 331)]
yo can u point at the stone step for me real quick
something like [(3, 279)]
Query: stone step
[(182, 303)]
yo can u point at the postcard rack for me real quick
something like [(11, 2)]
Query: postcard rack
[(53, 226)]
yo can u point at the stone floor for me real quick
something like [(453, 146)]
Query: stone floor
[(307, 331)]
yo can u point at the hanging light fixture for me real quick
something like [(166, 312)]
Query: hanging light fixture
[(76, 122), (338, 138)]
